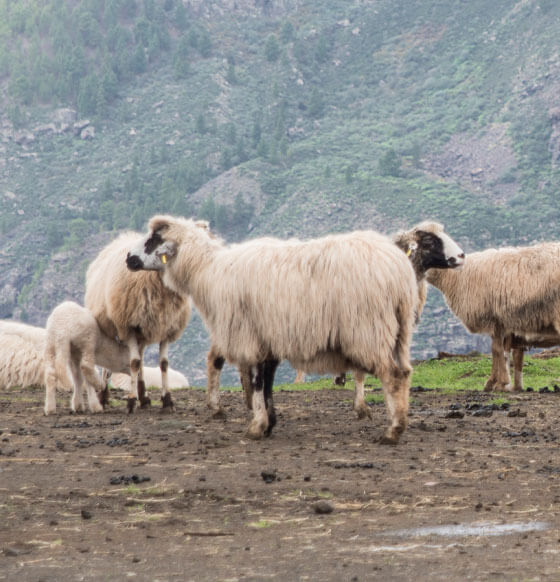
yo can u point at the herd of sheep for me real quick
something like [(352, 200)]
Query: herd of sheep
[(343, 302)]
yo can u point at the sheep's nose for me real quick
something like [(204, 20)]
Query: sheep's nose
[(134, 262), (461, 256)]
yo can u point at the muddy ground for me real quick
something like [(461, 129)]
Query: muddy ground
[(472, 492)]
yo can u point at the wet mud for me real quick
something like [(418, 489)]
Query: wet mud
[(472, 491)]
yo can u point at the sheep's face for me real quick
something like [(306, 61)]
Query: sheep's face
[(152, 253), (438, 250)]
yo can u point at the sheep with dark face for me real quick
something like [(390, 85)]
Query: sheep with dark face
[(136, 308), (342, 302), (510, 294)]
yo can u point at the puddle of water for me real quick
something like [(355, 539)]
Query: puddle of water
[(464, 530)]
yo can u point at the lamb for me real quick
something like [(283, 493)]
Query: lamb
[(22, 349), (427, 246), (138, 309), (74, 342), (512, 295), (340, 302)]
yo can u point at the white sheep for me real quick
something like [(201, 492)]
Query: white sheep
[(341, 302), (152, 377), (427, 246), (506, 293), (22, 349), (136, 308), (76, 344)]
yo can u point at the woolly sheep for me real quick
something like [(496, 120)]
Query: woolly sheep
[(152, 377), (506, 293), (327, 305), (427, 246), (138, 309), (22, 349), (76, 344)]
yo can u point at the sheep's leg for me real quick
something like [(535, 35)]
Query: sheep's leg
[(268, 372), (166, 400), (264, 415), (50, 380), (77, 404), (259, 423), (517, 369), (214, 364), (50, 385), (136, 376), (245, 377), (93, 382), (143, 398), (396, 388), (104, 394), (360, 406), (300, 377), (500, 366)]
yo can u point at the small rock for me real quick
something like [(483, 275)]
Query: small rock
[(268, 476), (455, 414), (86, 514), (322, 507)]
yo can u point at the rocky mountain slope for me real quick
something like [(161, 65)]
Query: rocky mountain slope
[(291, 118)]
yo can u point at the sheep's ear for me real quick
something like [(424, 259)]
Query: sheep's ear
[(158, 223), (412, 247), (204, 224), (168, 248)]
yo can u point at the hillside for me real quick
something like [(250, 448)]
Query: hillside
[(292, 118)]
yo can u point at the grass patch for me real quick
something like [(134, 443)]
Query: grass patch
[(447, 375)]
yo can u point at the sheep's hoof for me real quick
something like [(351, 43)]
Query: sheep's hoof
[(392, 435), (489, 386), (364, 411), (104, 397), (131, 403), (388, 439), (271, 423), (167, 403), (145, 402), (219, 414), (96, 408), (255, 431)]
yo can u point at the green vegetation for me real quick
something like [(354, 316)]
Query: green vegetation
[(448, 375)]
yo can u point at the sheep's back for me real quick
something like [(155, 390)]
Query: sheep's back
[(346, 294)]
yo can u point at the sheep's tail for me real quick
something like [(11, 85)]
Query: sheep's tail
[(401, 350)]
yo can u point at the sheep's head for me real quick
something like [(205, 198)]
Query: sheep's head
[(153, 251), (429, 247), (159, 247)]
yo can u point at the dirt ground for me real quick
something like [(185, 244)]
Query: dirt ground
[(472, 492)]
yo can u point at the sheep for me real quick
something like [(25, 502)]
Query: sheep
[(22, 349), (138, 309), (427, 246), (506, 293), (340, 302), (76, 343), (152, 377)]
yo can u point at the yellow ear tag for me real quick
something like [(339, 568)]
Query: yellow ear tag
[(408, 253), (164, 259)]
